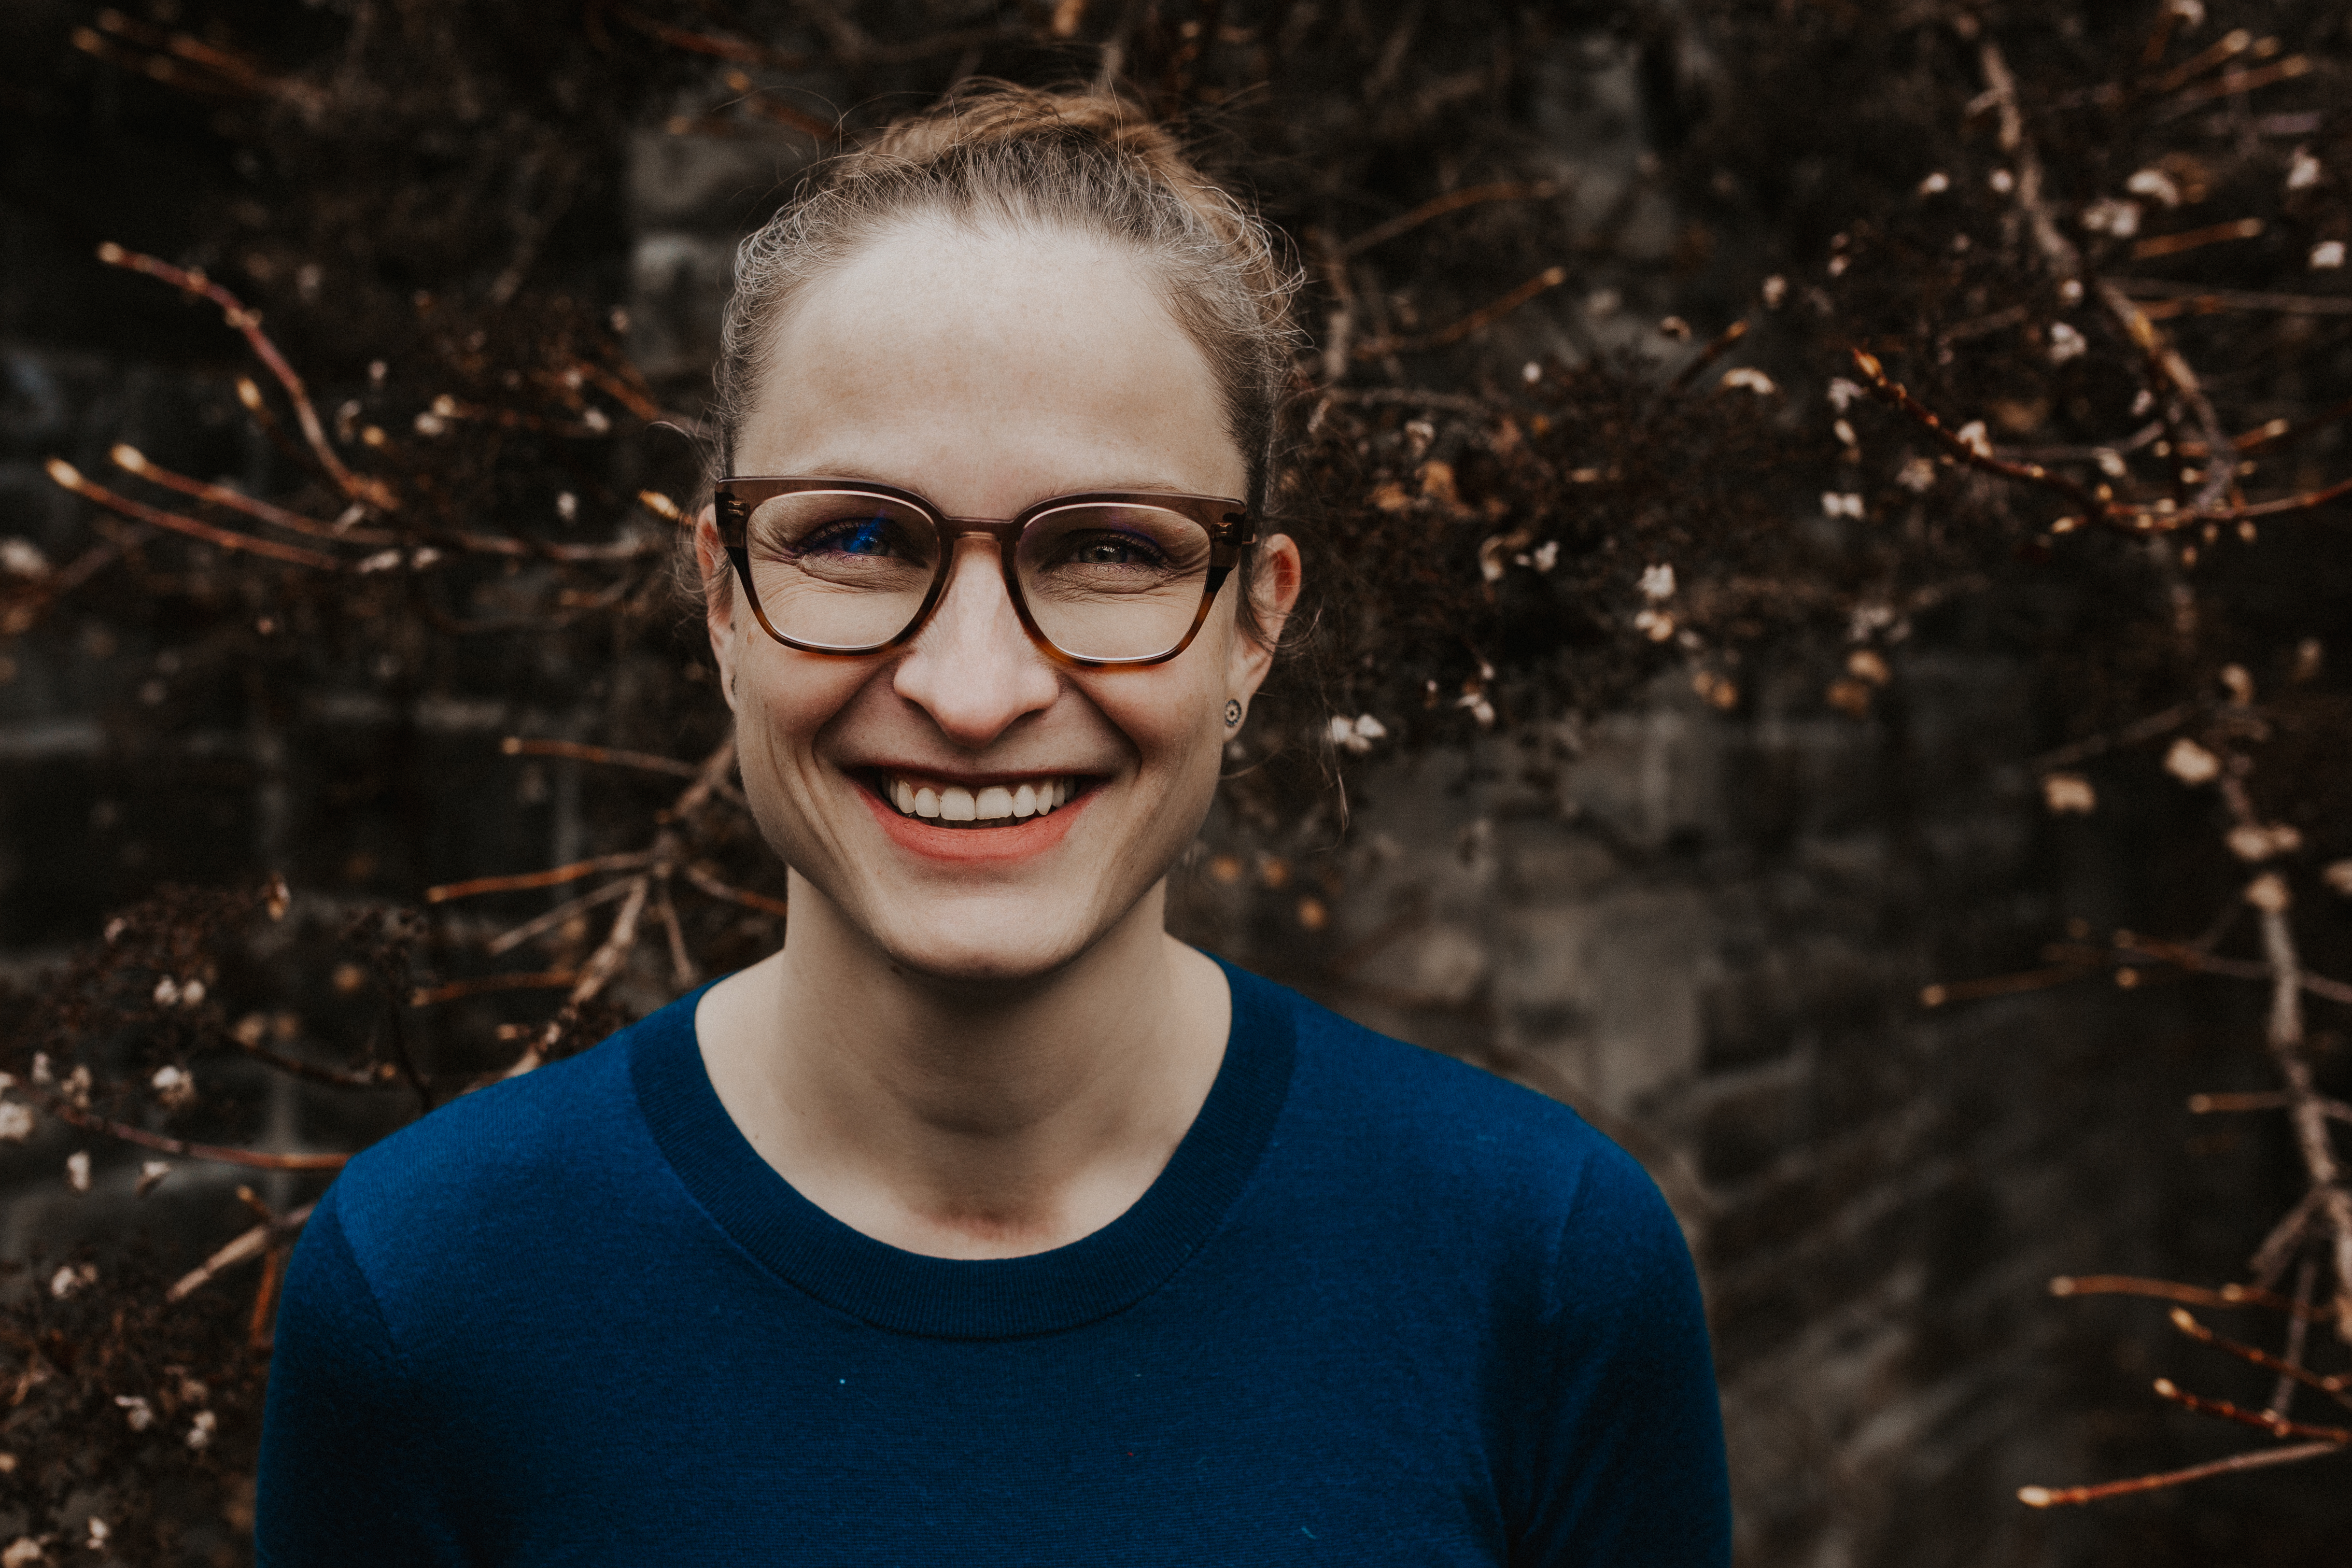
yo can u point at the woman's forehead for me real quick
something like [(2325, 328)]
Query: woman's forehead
[(941, 346)]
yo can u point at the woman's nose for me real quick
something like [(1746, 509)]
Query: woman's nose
[(972, 666)]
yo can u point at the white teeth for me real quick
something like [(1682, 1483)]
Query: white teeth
[(991, 803)]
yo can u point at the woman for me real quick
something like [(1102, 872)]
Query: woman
[(984, 1222)]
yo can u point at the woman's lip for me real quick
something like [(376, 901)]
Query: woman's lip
[(970, 846)]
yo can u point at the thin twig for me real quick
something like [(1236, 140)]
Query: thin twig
[(1454, 332), (67, 477), (507, 942), (602, 965), (1714, 351), (2049, 1497), (520, 746), (74, 1115), (2229, 1296), (2289, 1368), (486, 984), (359, 488), (2204, 297), (525, 880), (719, 890), (249, 1243), (1453, 201), (132, 461), (2276, 1425)]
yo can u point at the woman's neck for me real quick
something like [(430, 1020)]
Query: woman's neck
[(967, 1119)]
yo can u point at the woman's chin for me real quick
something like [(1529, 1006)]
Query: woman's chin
[(955, 957)]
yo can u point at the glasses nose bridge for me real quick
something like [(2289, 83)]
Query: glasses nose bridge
[(1000, 528)]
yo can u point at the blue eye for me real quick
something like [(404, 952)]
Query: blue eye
[(856, 536)]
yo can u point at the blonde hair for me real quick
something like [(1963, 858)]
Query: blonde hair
[(998, 154)]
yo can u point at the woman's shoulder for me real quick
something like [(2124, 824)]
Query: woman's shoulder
[(1414, 1118), (571, 1124)]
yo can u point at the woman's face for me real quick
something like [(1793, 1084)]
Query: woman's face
[(987, 372)]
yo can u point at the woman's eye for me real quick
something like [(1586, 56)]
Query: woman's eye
[(855, 536), (1110, 550)]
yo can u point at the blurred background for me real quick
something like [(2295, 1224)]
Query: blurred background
[(1881, 810)]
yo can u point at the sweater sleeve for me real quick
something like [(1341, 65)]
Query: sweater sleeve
[(343, 1477), (1630, 1467)]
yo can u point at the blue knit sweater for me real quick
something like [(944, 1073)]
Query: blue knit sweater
[(1380, 1307)]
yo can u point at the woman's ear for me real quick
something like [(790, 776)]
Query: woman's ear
[(718, 598), (1273, 592)]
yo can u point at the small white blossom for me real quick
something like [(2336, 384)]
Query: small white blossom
[(1917, 475), (2191, 764), (98, 1532), (150, 1172), (2268, 893), (1775, 289), (2066, 344), (2111, 463), (1974, 436), (2068, 795), (2327, 256), (567, 505), (2156, 184), (1657, 627), (382, 560), (78, 1170), (431, 425), (1936, 184), (1532, 373), (2303, 171), (1750, 379), (23, 558), (1658, 583), (174, 1086), (68, 1279), (1546, 555), (2255, 844), (200, 1433), (136, 1411), (1834, 504), (2107, 215), (1843, 393), (2002, 180), (22, 1552), (15, 1121), (167, 992)]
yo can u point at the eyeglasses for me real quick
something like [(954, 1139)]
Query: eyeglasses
[(1109, 577)]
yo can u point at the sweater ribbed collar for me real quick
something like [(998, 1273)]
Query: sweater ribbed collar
[(1006, 1298)]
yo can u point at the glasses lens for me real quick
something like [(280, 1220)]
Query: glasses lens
[(840, 569), (1113, 580)]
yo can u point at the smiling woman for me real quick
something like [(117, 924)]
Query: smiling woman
[(984, 1222)]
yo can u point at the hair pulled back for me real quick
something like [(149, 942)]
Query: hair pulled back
[(998, 156)]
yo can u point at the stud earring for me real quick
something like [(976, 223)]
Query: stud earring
[(1232, 711)]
